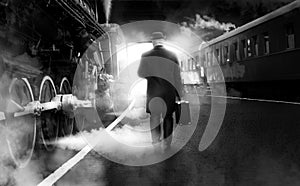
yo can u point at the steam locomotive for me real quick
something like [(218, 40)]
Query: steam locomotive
[(257, 60), (42, 44)]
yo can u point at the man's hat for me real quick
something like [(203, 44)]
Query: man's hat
[(157, 36)]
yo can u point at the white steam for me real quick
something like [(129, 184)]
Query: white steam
[(12, 175), (206, 22), (107, 9), (89, 171), (14, 131), (129, 143), (125, 144)]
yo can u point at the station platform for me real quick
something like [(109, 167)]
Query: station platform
[(258, 144)]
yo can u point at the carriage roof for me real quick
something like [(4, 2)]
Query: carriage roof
[(281, 11)]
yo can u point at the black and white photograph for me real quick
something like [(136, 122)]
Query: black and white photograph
[(149, 92)]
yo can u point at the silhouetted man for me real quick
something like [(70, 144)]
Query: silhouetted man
[(160, 67)]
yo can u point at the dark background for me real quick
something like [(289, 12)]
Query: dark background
[(237, 12)]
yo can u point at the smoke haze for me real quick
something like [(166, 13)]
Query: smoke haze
[(107, 9), (124, 144), (206, 27), (10, 174)]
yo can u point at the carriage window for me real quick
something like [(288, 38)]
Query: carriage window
[(290, 36), (205, 63), (181, 64), (193, 64), (255, 45), (249, 48), (197, 61), (236, 55), (208, 62), (187, 63), (218, 56), (211, 57), (207, 58), (266, 43), (226, 54), (202, 59), (244, 48)]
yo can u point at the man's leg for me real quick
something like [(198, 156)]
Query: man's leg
[(155, 127), (157, 107), (168, 130)]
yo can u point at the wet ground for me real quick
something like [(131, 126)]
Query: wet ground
[(258, 144)]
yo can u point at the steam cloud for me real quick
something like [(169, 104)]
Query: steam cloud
[(42, 162), (209, 22), (89, 171), (107, 9), (10, 174), (132, 143), (206, 27)]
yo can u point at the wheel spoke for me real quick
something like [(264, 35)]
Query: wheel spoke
[(49, 124), (67, 124), (21, 131)]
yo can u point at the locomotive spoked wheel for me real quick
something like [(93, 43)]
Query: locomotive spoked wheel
[(66, 120), (20, 131), (49, 122)]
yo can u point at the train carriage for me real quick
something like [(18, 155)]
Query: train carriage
[(259, 59)]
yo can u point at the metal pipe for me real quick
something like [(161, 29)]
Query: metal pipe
[(66, 102)]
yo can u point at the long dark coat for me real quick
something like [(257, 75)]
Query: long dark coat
[(160, 67)]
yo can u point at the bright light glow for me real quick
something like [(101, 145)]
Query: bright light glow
[(134, 52), (175, 49), (138, 93), (138, 90)]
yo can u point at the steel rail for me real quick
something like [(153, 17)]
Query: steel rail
[(253, 99)]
